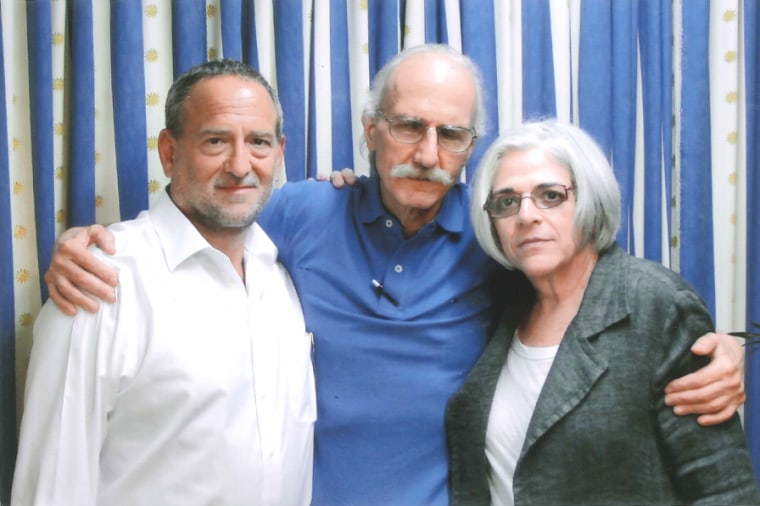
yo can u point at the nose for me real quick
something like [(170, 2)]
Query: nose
[(426, 152), (239, 162), (528, 210)]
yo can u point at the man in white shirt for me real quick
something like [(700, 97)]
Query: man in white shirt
[(196, 385)]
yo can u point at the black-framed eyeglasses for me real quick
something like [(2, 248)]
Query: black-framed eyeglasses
[(411, 130), (505, 203)]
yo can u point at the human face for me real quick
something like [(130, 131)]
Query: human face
[(223, 164), (539, 242), (432, 88)]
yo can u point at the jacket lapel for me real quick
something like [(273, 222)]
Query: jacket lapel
[(578, 365)]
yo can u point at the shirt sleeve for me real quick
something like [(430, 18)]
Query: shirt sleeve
[(710, 464), (67, 398)]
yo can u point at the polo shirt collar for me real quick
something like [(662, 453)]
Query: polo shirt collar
[(452, 216)]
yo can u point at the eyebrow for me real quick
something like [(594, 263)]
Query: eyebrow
[(540, 185)]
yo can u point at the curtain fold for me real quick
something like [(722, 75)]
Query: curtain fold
[(128, 83), (291, 71), (695, 196), (479, 43), (188, 32), (81, 123), (40, 35), (752, 87), (7, 302)]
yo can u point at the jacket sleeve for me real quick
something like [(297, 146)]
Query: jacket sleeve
[(711, 465)]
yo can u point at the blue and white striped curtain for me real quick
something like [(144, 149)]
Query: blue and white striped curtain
[(669, 88)]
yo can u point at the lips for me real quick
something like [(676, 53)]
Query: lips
[(529, 241)]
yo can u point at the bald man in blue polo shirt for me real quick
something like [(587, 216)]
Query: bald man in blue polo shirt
[(395, 289)]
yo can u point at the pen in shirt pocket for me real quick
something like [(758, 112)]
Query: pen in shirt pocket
[(380, 290)]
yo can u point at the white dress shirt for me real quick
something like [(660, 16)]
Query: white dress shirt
[(193, 388)]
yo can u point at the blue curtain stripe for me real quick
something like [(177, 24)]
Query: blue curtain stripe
[(695, 153), (188, 33), (340, 79), (652, 33), (39, 35), (384, 36), (288, 26), (752, 78), (81, 187), (539, 96), (479, 43), (128, 85), (231, 14)]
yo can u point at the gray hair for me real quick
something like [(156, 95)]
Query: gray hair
[(174, 111), (382, 78), (597, 210)]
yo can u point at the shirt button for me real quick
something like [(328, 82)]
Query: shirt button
[(399, 268), (388, 223)]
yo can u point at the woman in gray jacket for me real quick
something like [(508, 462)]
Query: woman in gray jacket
[(566, 405)]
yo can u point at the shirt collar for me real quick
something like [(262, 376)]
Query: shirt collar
[(180, 240), (452, 216)]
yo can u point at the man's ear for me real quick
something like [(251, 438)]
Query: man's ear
[(370, 127), (167, 150)]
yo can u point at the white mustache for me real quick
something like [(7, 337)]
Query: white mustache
[(436, 175)]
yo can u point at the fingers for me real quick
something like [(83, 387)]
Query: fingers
[(102, 238), (337, 179), (706, 344), (68, 297), (348, 176), (716, 418)]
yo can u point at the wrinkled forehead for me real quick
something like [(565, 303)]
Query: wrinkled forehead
[(426, 84)]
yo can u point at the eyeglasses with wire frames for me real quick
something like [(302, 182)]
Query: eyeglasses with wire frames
[(505, 203), (411, 130)]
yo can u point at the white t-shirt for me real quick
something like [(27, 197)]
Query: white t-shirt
[(520, 383), (193, 388)]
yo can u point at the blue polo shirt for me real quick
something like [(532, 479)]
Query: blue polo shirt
[(386, 363)]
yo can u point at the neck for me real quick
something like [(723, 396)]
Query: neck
[(558, 298)]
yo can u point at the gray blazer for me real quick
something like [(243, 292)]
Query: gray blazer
[(600, 432)]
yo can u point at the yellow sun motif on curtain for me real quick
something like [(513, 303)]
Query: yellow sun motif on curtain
[(730, 56), (60, 172), (729, 15), (26, 319), (22, 275), (153, 186), (210, 11), (16, 143), (60, 216), (19, 232), (58, 84), (58, 38), (99, 201), (18, 187), (151, 55), (213, 54), (152, 143), (58, 128), (152, 99), (151, 10), (731, 138), (731, 97)]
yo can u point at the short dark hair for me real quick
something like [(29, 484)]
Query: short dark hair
[(174, 111)]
